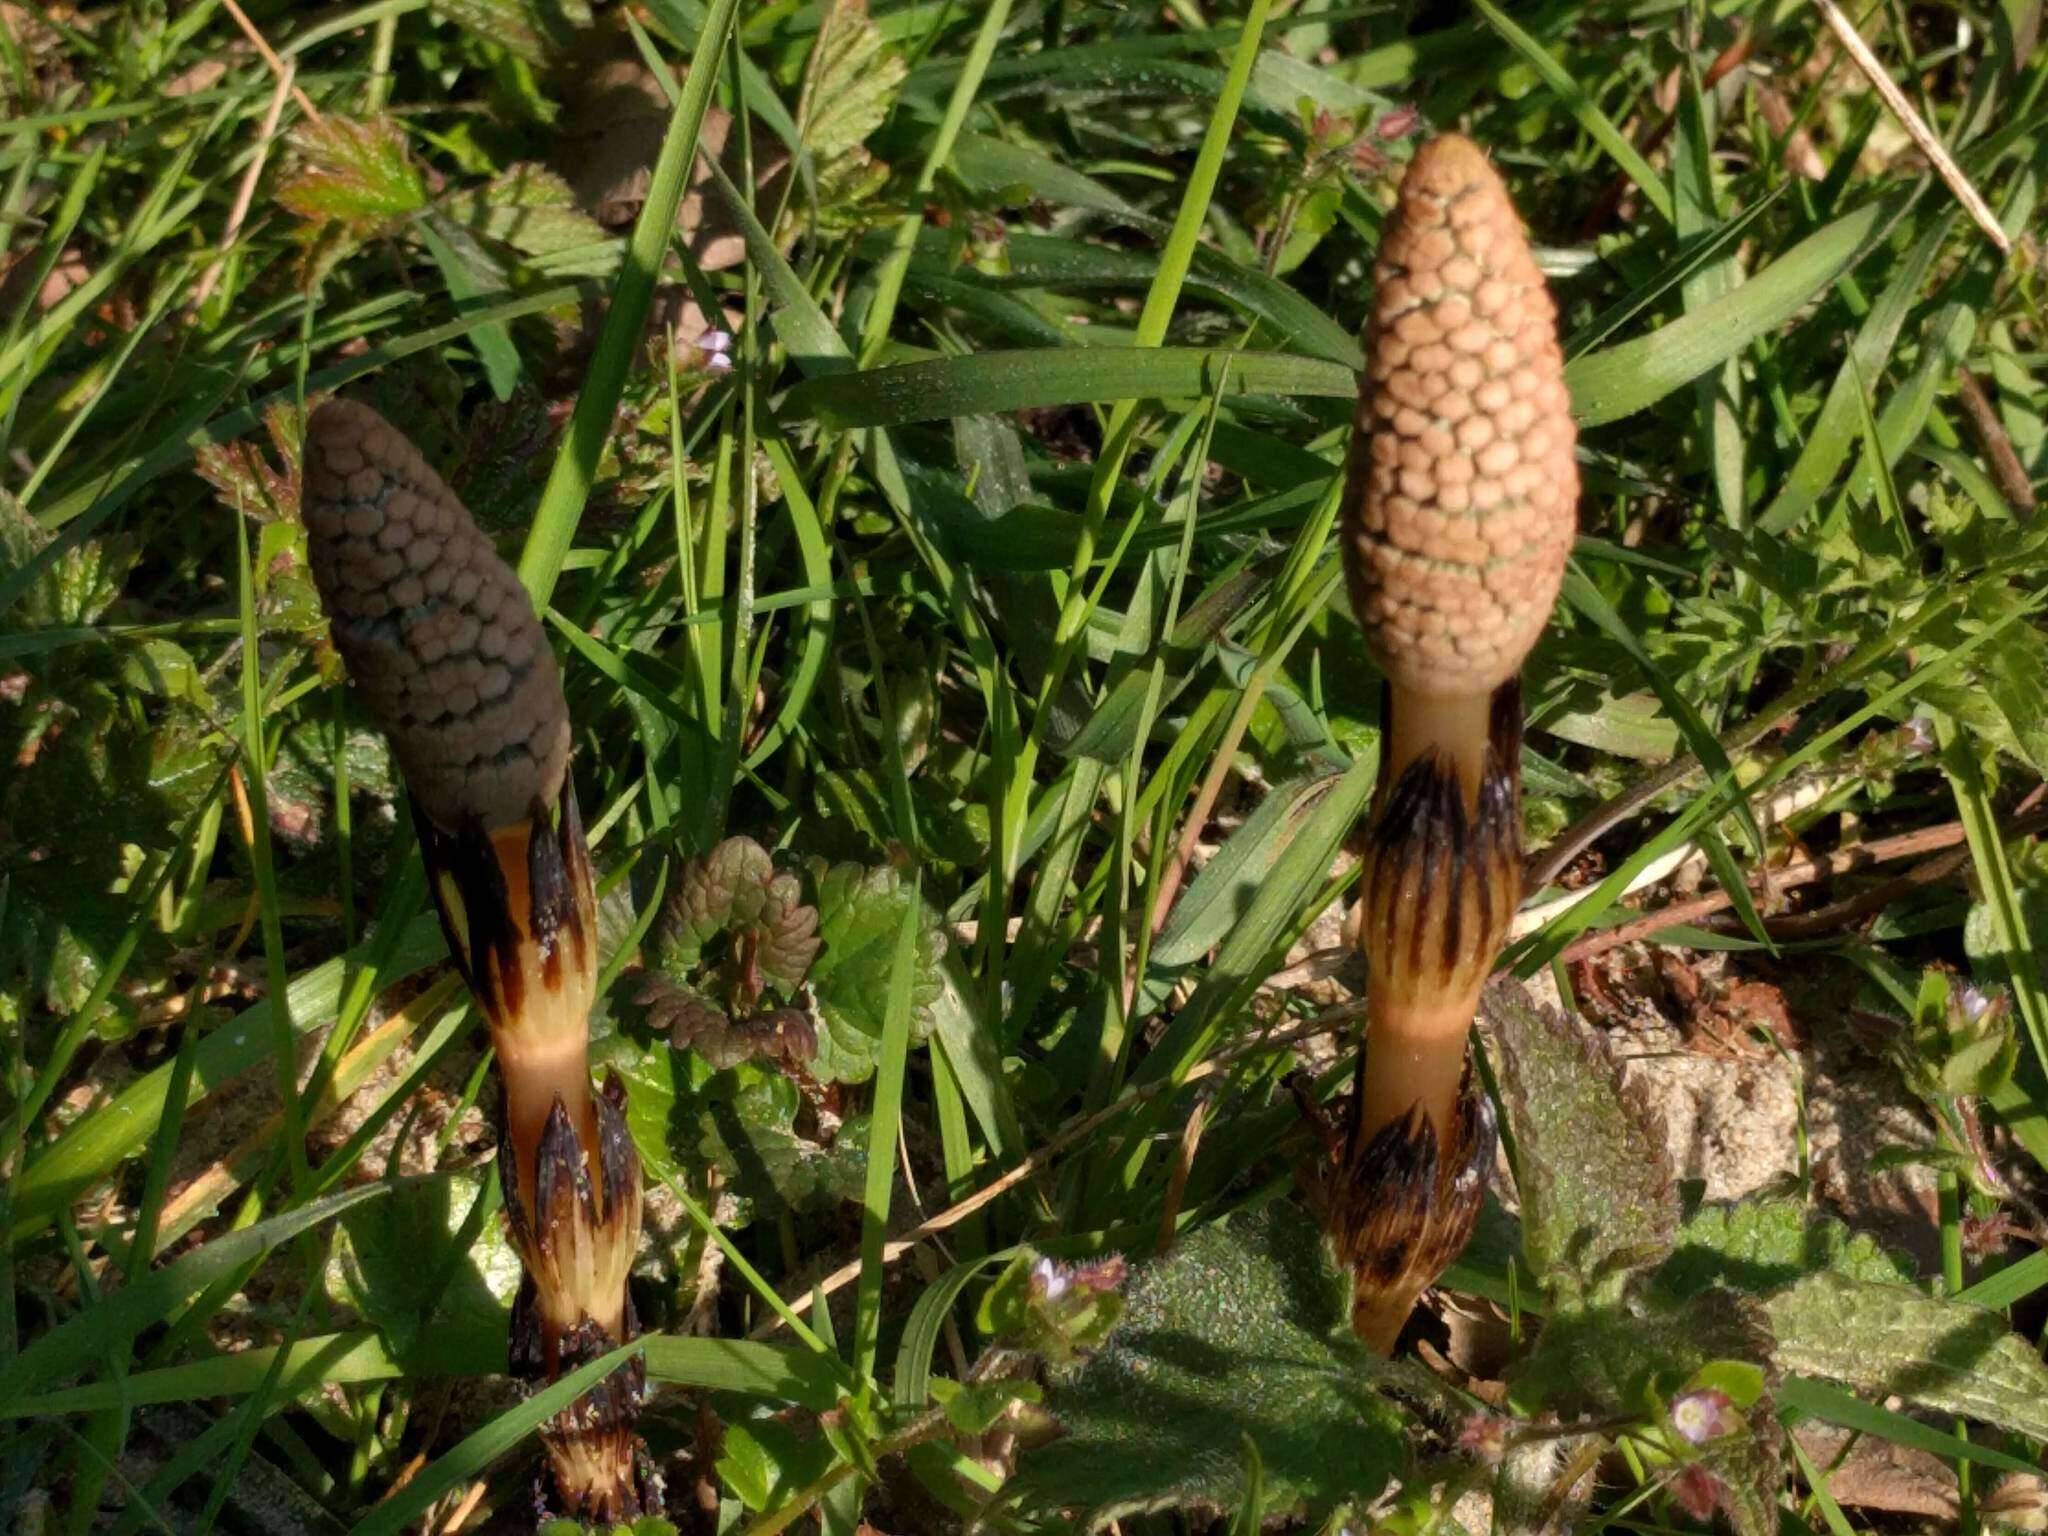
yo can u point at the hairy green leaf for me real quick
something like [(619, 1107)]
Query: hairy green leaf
[(1595, 1180), (1936, 1354), (1758, 1245), (1241, 1333)]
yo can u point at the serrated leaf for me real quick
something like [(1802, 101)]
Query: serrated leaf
[(354, 172), (1937, 1354), (742, 1122), (691, 1023), (2013, 669), (1759, 1245), (1242, 1332), (859, 911), (530, 29), (71, 593), (242, 475), (850, 82), (1595, 1180), (530, 208)]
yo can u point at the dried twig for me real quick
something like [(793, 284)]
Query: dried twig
[(245, 194), (1993, 441), (1915, 125), (1802, 925), (278, 67)]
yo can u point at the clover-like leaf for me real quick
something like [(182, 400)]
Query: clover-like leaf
[(1241, 1333)]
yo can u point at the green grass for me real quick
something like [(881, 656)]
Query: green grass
[(1003, 558)]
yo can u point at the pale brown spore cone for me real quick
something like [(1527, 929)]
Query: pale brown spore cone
[(1459, 516), (440, 639), (1461, 506)]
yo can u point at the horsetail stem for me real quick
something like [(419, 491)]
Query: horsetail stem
[(1459, 515), (449, 660)]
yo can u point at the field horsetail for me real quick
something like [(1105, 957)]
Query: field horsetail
[(1459, 514), (451, 663)]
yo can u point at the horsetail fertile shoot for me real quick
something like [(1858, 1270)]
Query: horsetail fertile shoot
[(450, 662), (1459, 514)]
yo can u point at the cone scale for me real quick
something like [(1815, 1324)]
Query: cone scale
[(449, 660), (1459, 514)]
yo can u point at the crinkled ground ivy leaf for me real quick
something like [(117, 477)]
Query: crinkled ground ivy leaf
[(735, 892), (1595, 1180), (859, 911), (684, 1118), (1935, 1353), (1240, 1333)]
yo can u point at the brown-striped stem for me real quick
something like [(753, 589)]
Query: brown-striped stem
[(1459, 514), (448, 657)]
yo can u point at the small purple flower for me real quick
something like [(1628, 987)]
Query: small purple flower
[(1918, 732), (1704, 1414), (711, 351), (1973, 1003)]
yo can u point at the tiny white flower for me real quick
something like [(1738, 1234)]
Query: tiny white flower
[(1049, 1280)]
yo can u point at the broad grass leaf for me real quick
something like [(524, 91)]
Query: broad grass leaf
[(1621, 380), (1241, 1333), (1595, 1179), (1216, 899), (1021, 379)]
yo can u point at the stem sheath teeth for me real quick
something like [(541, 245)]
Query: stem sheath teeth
[(1403, 1208)]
